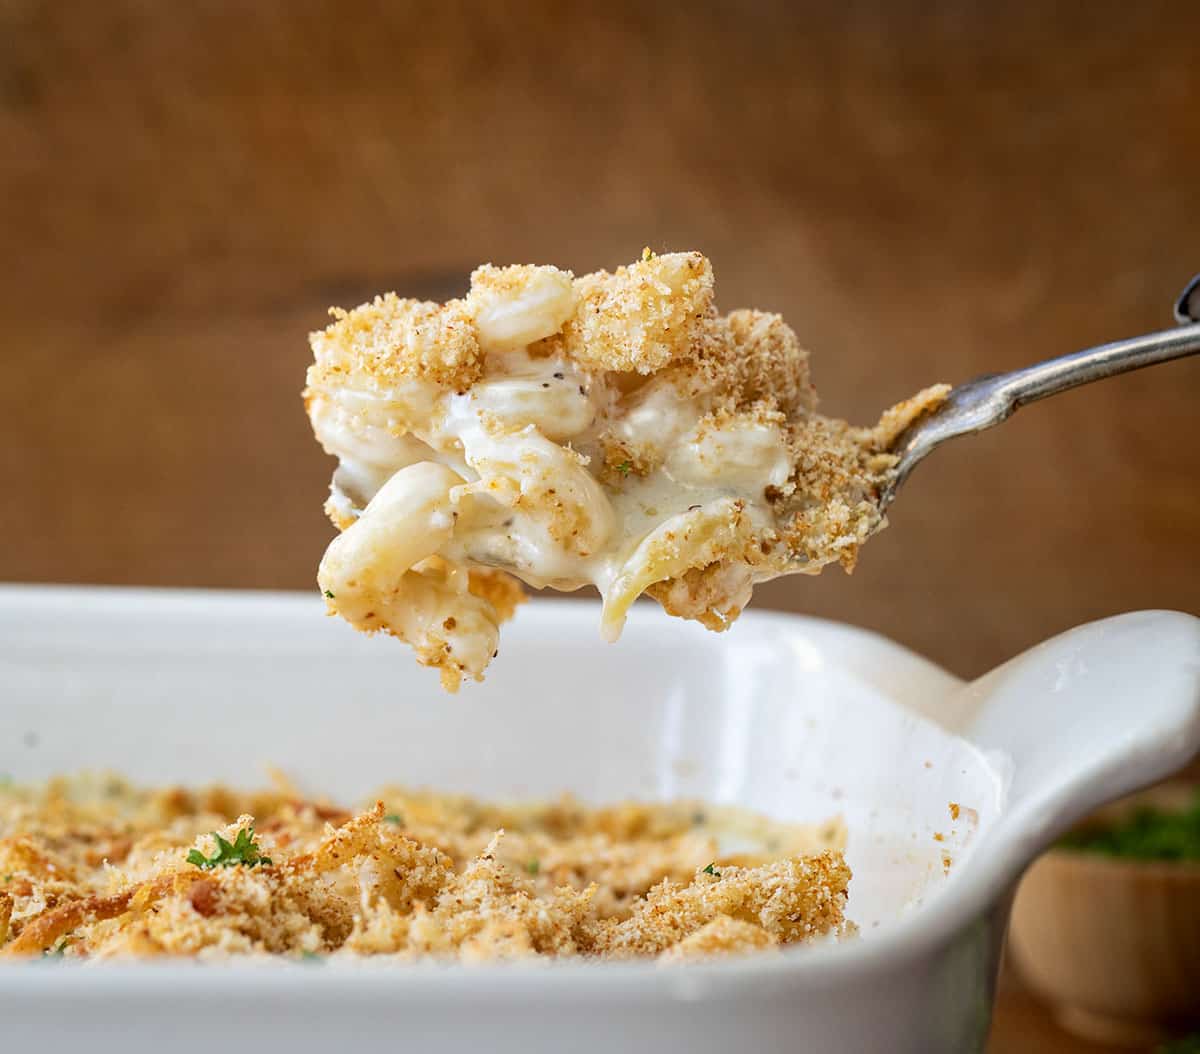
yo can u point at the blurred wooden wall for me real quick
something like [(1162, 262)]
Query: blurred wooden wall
[(927, 191)]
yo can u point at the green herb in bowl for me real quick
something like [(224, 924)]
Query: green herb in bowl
[(1147, 833)]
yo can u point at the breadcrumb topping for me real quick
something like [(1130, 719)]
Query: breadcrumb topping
[(93, 869), (380, 344), (643, 316)]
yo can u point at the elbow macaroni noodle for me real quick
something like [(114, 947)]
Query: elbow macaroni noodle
[(611, 430)]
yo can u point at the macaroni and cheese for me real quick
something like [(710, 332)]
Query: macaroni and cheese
[(610, 430), (98, 869)]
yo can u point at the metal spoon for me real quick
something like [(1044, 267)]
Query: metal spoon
[(986, 401)]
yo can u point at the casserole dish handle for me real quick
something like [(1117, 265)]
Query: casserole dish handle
[(1089, 716)]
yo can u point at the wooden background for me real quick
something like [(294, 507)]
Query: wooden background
[(928, 191)]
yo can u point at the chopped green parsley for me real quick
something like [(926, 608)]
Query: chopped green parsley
[(241, 851)]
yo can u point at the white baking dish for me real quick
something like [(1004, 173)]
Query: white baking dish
[(795, 717)]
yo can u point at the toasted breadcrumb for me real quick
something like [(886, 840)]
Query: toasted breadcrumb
[(713, 595), (6, 909), (897, 418), (748, 358), (643, 316), (100, 869), (725, 935), (791, 900), (381, 344), (502, 591), (622, 459)]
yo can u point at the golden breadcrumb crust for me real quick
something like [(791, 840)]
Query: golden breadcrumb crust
[(502, 591), (378, 345), (641, 317), (96, 869), (702, 594), (725, 935)]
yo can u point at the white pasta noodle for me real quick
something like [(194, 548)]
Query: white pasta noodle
[(746, 453), (689, 540), (516, 306)]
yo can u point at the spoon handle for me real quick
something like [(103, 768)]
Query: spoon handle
[(987, 401), (1106, 360)]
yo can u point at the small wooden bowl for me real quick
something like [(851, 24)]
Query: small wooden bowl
[(1113, 944)]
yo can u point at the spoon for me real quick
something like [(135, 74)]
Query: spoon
[(988, 400)]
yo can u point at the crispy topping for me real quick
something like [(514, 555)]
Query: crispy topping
[(415, 876)]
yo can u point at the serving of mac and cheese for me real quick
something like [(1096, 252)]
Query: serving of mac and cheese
[(95, 868), (611, 430)]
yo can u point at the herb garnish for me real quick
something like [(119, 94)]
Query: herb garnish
[(533, 867), (1148, 833), (394, 817), (625, 467), (241, 851), (329, 595), (647, 254), (712, 870), (57, 951)]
